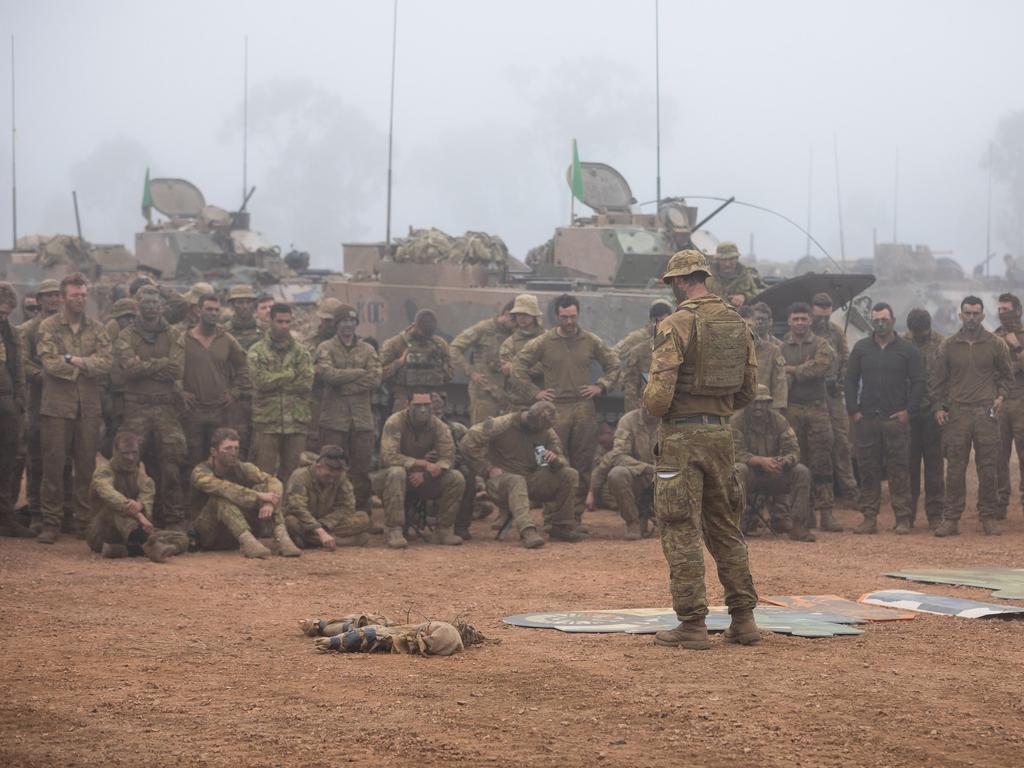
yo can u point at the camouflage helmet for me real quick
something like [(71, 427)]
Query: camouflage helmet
[(197, 290), (123, 307), (685, 263), (727, 250), (241, 292), (763, 393), (526, 304), (49, 285), (327, 308), (344, 311)]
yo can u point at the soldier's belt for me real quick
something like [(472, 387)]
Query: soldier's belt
[(165, 399), (704, 418)]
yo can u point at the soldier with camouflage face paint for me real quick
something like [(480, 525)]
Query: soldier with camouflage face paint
[(771, 367), (243, 325), (734, 282), (416, 360), (122, 314), (320, 505), (325, 330), (475, 352)]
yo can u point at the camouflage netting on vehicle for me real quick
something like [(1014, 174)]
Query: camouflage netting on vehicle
[(541, 254), (432, 246), (57, 250)]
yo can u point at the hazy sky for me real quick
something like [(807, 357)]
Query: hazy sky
[(488, 99)]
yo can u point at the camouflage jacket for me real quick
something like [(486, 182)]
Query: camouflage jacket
[(774, 439), (68, 391), (28, 333), (970, 373), (282, 378), (477, 350), (835, 379), (504, 442), (401, 444), (673, 347), (564, 361), (636, 366), (633, 448), (625, 346), (746, 281), (114, 485), (929, 350), (238, 486), (428, 362), (813, 358), (771, 371), (310, 501), (150, 363), (511, 347), (348, 377), (1017, 386), (12, 362), (246, 334)]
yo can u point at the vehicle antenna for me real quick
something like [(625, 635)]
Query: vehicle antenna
[(657, 108), (810, 195), (14, 166), (839, 204), (896, 199), (245, 120), (391, 127)]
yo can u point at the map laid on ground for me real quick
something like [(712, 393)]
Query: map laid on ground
[(1007, 583), (837, 606), (941, 605)]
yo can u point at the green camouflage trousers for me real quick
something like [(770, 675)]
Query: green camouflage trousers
[(159, 422), (926, 449), (697, 496), (842, 464), (109, 526), (278, 453), (623, 485), (339, 524), (789, 491), (63, 439), (576, 426), (10, 438), (1011, 433), (884, 443), (393, 486), (971, 425), (358, 445), (557, 487), (813, 428), (485, 404), (219, 523)]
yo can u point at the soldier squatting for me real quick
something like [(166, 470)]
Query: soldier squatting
[(235, 434)]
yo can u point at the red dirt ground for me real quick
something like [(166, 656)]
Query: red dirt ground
[(200, 661)]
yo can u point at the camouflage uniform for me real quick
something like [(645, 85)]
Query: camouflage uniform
[(325, 314), (626, 472), (348, 376), (745, 281), (635, 367), (697, 493), (835, 401), (112, 390), (968, 378), (926, 440), (427, 368), (70, 412), (565, 361), (400, 446), (807, 411), (771, 370), (226, 506), (1011, 423), (309, 504), (246, 333), (510, 348), (151, 363), (476, 350), (506, 443), (12, 409)]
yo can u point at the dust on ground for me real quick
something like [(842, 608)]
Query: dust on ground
[(201, 662)]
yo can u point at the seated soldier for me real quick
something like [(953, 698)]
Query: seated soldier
[(121, 496), (767, 456), (521, 459), (231, 497), (416, 457), (627, 470), (320, 503)]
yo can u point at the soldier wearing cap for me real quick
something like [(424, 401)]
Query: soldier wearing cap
[(48, 295), (348, 372), (122, 313), (243, 325), (416, 360), (320, 505), (634, 353), (768, 465), (526, 315), (835, 387), (734, 282), (325, 331), (475, 352), (176, 306), (771, 367), (703, 368), (192, 296)]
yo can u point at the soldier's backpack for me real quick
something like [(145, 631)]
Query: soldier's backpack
[(720, 360)]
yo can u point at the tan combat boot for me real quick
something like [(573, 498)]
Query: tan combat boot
[(742, 629), (829, 523), (48, 535), (797, 532), (531, 539), (691, 634), (285, 546), (868, 525), (991, 526), (633, 531), (902, 526), (394, 539), (445, 536), (566, 533), (251, 547), (948, 528), (158, 551)]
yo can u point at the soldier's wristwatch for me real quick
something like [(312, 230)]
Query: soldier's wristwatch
[(67, 357)]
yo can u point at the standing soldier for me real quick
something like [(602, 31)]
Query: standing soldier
[(835, 381), (635, 356), (263, 305), (176, 305), (809, 359), (475, 352), (734, 282), (122, 314), (325, 331), (564, 355), (12, 409), (282, 379), (215, 378), (885, 379), (1011, 415), (526, 314), (771, 367), (703, 369), (659, 310), (320, 506), (416, 457), (243, 325), (150, 361), (48, 295), (30, 307), (417, 359), (348, 372), (973, 375), (75, 354), (925, 434)]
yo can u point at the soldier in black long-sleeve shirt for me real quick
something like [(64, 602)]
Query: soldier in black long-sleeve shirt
[(884, 388)]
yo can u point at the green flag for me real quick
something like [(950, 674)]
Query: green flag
[(147, 199), (577, 174)]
